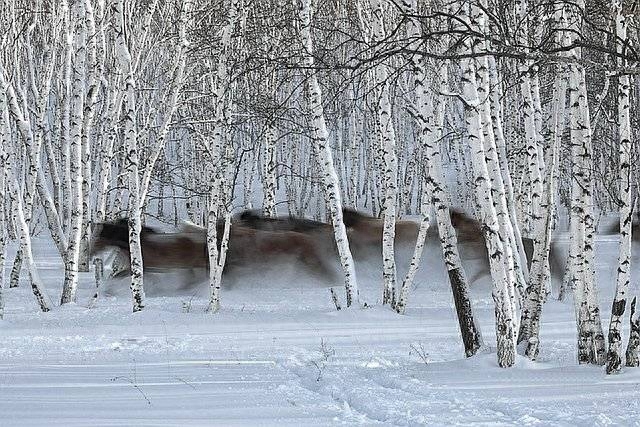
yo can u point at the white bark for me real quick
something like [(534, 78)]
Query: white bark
[(431, 122), (217, 257), (75, 153), (507, 236), (25, 239), (269, 170), (328, 172), (502, 288), (5, 140), (216, 166), (425, 220), (540, 274), (614, 354), (8, 159), (130, 141), (590, 337), (389, 161), (92, 87)]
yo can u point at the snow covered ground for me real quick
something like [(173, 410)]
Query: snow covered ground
[(280, 354)]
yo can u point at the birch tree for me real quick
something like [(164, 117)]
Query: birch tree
[(591, 347), (623, 277), (502, 288), (72, 258), (132, 160), (327, 170), (8, 159), (219, 82), (540, 274), (430, 118), (633, 347), (389, 160)]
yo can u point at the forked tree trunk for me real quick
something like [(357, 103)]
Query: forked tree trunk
[(531, 313), (502, 287), (430, 118), (514, 274), (217, 257)]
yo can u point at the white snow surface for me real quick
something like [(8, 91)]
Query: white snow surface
[(279, 353)]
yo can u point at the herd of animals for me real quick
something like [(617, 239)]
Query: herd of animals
[(255, 239)]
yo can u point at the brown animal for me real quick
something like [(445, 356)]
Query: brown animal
[(468, 229), (365, 233), (187, 249), (160, 251), (365, 236)]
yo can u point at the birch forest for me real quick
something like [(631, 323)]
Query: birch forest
[(522, 114)]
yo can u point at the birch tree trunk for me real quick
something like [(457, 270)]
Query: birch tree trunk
[(514, 274), (495, 95), (409, 278), (269, 169), (389, 162), (217, 167), (614, 355), (75, 154), (431, 122), (217, 257), (25, 239), (533, 138), (591, 347), (92, 82), (131, 160), (327, 169), (502, 288), (633, 347), (540, 274), (8, 159), (5, 140)]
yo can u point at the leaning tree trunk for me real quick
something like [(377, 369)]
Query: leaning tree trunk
[(401, 302), (514, 274), (25, 239), (540, 274), (431, 122), (8, 158), (328, 172)]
